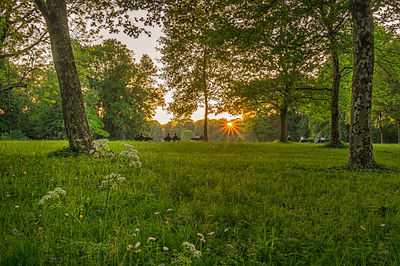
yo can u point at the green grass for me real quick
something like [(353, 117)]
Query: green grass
[(266, 203)]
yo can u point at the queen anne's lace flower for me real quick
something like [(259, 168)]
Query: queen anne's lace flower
[(111, 181), (189, 246), (131, 154), (52, 194), (196, 253), (101, 148)]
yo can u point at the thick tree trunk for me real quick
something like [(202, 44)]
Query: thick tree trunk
[(283, 114), (361, 151), (75, 120), (205, 116), (336, 77)]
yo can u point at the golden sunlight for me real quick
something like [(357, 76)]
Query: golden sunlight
[(230, 128)]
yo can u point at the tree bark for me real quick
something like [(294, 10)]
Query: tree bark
[(205, 116), (75, 120), (398, 131), (205, 88), (381, 133), (283, 114), (336, 77), (361, 151)]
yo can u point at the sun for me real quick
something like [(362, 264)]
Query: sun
[(230, 128)]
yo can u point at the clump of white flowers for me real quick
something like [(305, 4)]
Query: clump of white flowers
[(101, 148), (196, 253), (111, 181), (131, 154), (52, 194)]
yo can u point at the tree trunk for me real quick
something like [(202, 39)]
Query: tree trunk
[(283, 114), (205, 88), (398, 131), (205, 116), (381, 133), (75, 120), (361, 151), (336, 77)]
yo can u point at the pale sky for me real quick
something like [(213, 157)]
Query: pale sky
[(147, 45)]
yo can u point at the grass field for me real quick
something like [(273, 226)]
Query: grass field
[(200, 203)]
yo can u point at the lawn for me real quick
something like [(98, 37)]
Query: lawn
[(200, 203)]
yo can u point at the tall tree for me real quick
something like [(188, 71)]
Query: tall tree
[(103, 14), (361, 150), (128, 91), (387, 77), (191, 68), (272, 51), (75, 121), (332, 20)]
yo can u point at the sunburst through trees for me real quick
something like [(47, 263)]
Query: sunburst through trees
[(230, 129)]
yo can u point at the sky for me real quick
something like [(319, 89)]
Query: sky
[(148, 45)]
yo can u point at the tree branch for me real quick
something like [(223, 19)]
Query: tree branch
[(12, 86), (41, 39)]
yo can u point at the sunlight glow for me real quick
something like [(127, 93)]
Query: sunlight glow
[(230, 128)]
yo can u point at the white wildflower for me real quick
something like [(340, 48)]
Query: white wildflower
[(200, 235), (137, 230), (165, 248), (131, 154), (192, 248), (16, 206), (136, 164), (189, 246), (101, 148), (197, 254), (126, 145), (211, 233), (60, 191), (110, 181), (168, 210), (137, 245), (52, 194), (156, 213), (152, 238)]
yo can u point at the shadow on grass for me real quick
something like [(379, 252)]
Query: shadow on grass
[(330, 145), (377, 169), (67, 152)]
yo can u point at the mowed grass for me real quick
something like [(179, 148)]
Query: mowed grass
[(237, 203)]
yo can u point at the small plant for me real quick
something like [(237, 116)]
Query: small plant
[(130, 155), (56, 195), (109, 183), (101, 149)]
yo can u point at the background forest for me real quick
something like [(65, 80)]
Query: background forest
[(283, 77)]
